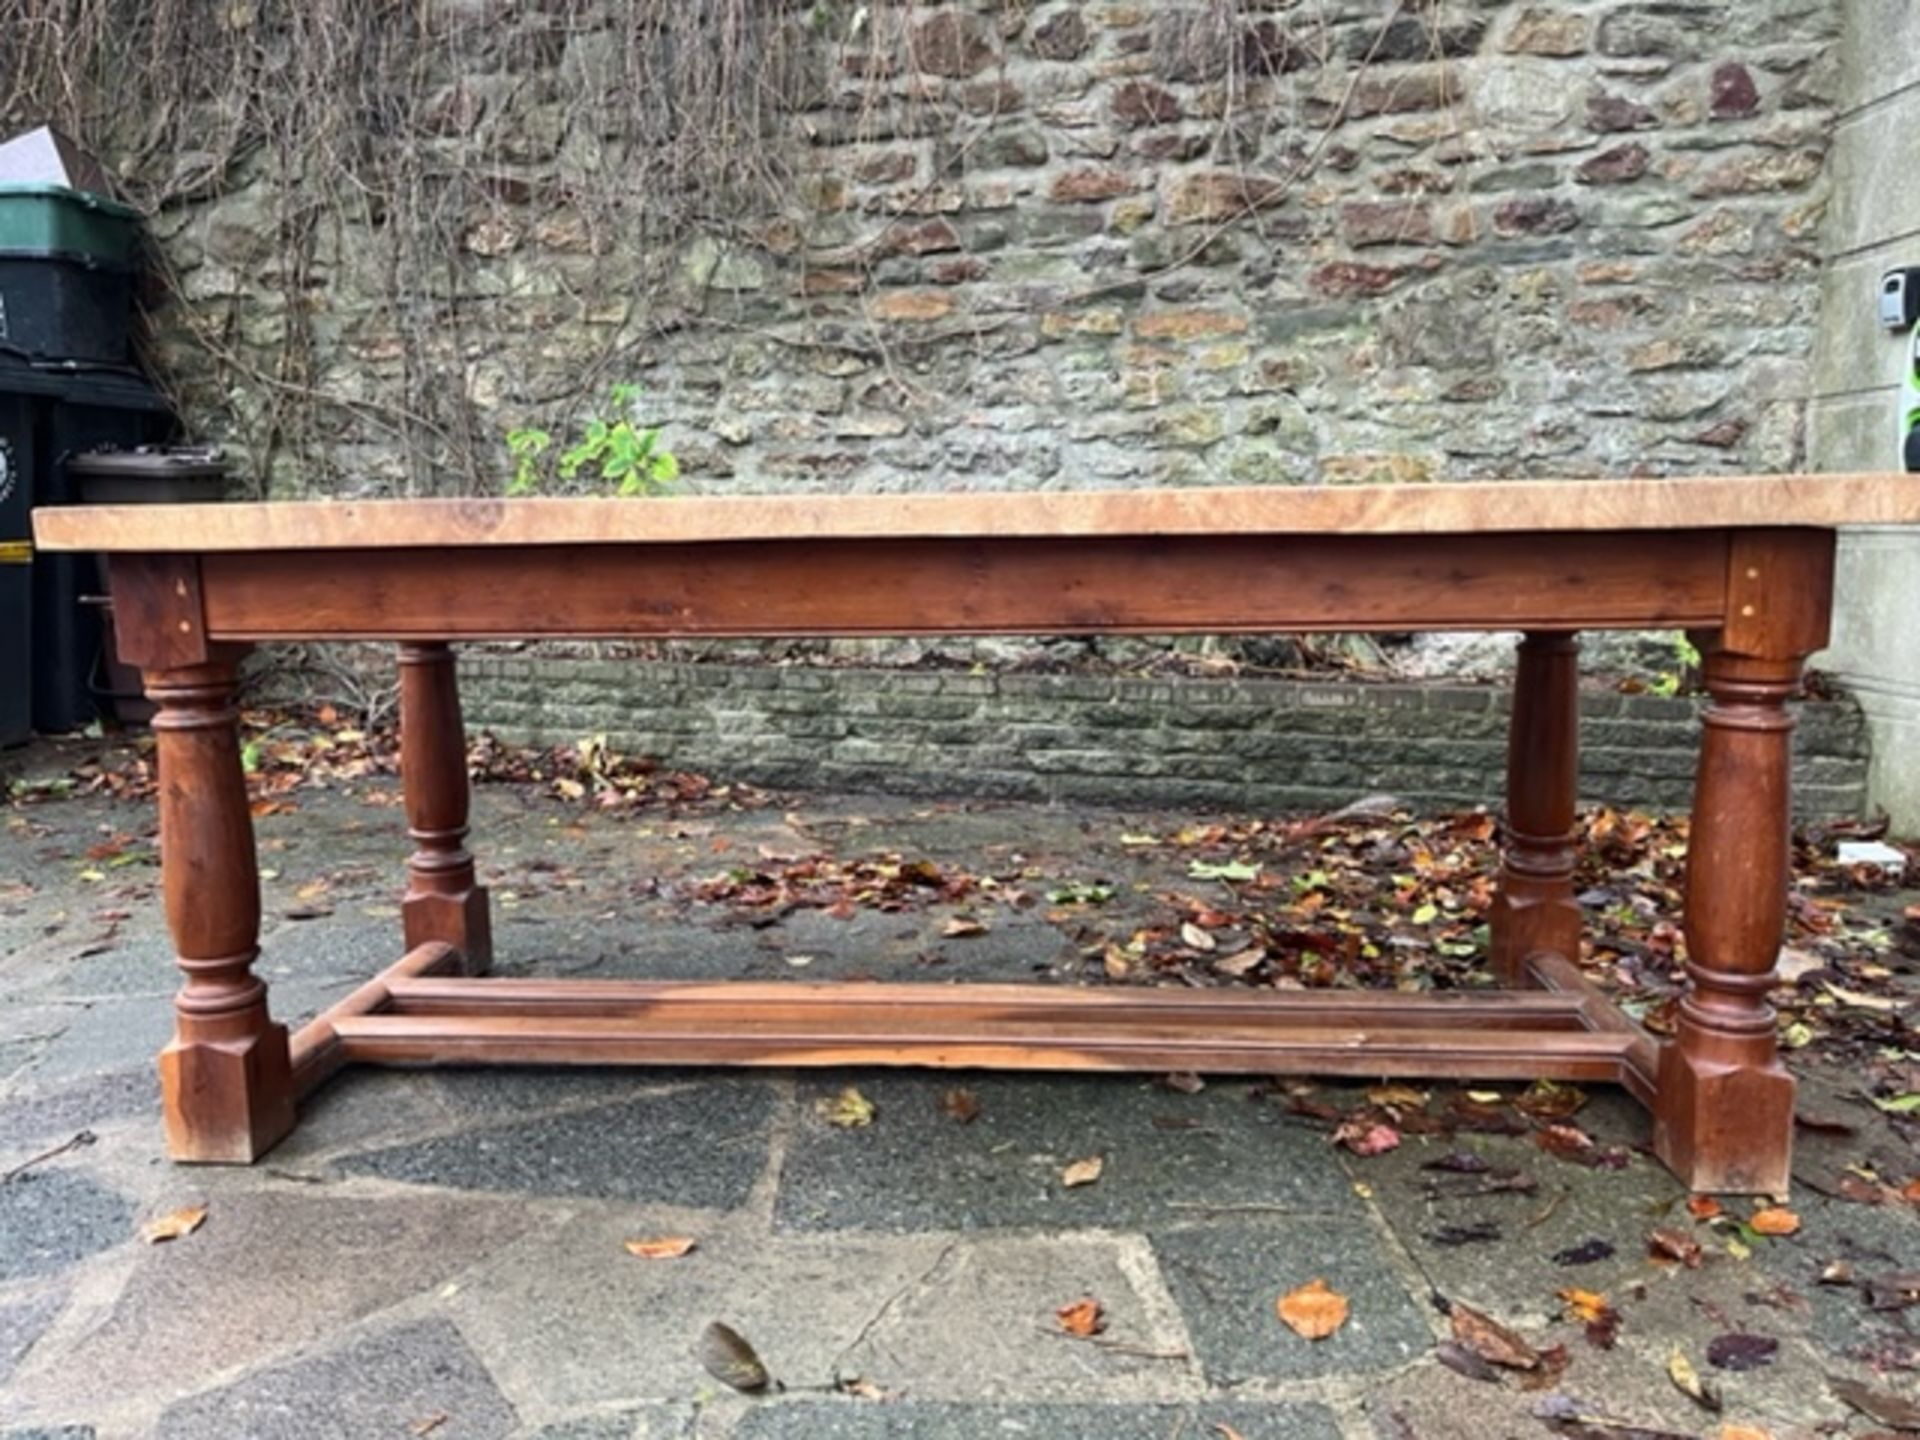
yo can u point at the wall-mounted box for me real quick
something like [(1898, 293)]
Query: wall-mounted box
[(1900, 298)]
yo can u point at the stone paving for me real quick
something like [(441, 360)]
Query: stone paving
[(441, 1253)]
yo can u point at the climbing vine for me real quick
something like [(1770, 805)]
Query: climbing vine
[(407, 141)]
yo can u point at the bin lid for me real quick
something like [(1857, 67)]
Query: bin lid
[(47, 156), (110, 387), (151, 462)]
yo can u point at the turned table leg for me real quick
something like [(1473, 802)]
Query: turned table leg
[(443, 902), (1535, 910), (1724, 1119), (225, 1078)]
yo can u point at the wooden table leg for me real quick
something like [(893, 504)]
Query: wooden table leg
[(1535, 909), (1724, 1118), (225, 1078), (443, 902)]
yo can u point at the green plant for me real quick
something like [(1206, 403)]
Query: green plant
[(1688, 660), (627, 456)]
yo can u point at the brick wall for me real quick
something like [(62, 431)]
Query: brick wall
[(1255, 744)]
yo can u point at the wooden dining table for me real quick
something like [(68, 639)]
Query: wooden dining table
[(1744, 564)]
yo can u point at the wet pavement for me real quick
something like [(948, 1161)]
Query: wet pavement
[(443, 1252)]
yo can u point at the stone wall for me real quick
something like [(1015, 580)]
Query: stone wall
[(1078, 244), (1874, 226), (1112, 243), (1242, 744)]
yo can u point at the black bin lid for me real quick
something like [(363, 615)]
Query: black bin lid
[(107, 387), (151, 462)]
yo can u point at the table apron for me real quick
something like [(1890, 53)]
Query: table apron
[(919, 586)]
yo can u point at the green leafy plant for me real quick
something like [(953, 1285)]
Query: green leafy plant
[(613, 448), (1687, 659)]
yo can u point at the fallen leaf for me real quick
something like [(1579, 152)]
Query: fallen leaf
[(960, 1105), (1583, 1306), (1887, 1408), (1702, 1207), (1235, 966), (174, 1224), (1462, 1361), (959, 927), (1232, 870), (1183, 1082), (1472, 1233), (1489, 1339), (725, 1354), (1892, 1292), (862, 1388), (1666, 1243), (1459, 1162), (1397, 1097), (427, 1424), (1743, 1432), (1082, 1172), (1859, 1000), (1313, 1311), (1082, 1317), (1195, 938), (670, 1247), (1775, 1221), (1549, 1100), (1363, 1138), (1588, 1252), (1687, 1379), (1739, 1350), (849, 1109)]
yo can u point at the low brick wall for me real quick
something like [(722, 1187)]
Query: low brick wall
[(1251, 744)]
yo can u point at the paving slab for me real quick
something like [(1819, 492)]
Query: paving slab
[(616, 1330), (360, 1108), (1228, 1278), (1572, 1206), (268, 1271), (32, 1114), (864, 1420), (397, 1382), (701, 1145), (23, 1320), (981, 1324), (51, 1218), (656, 1422), (915, 1168), (104, 1035)]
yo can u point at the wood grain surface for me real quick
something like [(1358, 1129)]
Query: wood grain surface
[(1482, 506)]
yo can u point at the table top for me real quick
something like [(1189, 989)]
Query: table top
[(1719, 502)]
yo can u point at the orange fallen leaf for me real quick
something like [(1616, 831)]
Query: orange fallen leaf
[(1583, 1306), (1082, 1172), (961, 927), (1703, 1207), (1743, 1432), (173, 1224), (670, 1247), (1082, 1317), (1775, 1221), (1911, 1191), (1313, 1311)]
